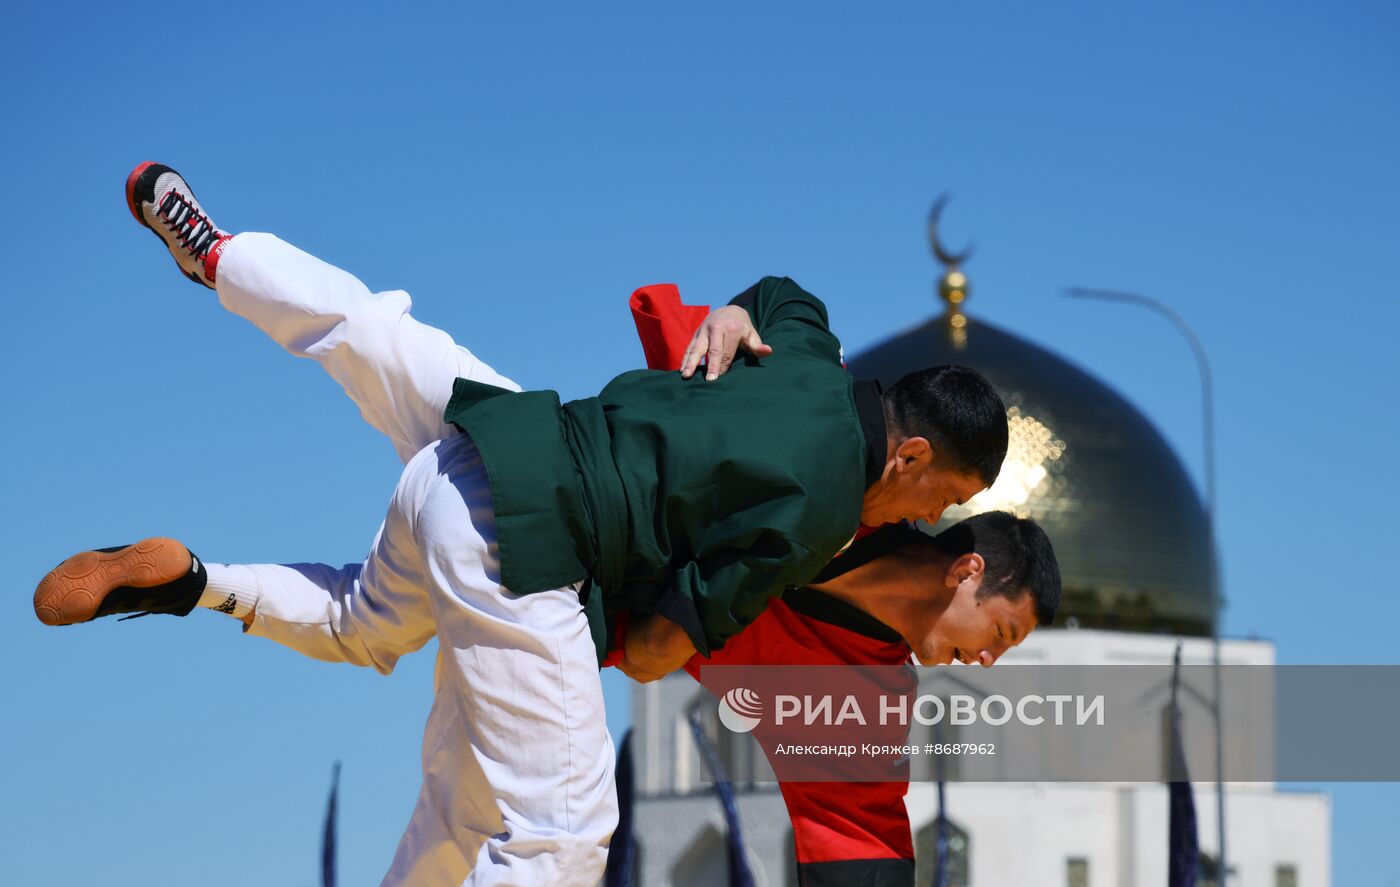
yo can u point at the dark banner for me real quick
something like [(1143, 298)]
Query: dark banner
[(1038, 723)]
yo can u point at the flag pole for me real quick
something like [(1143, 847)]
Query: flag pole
[(739, 873), (1212, 556)]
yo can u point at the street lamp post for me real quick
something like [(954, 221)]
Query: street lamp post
[(1208, 435)]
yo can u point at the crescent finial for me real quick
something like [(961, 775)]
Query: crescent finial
[(947, 258)]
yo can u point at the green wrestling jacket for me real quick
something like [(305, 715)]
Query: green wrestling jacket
[(697, 500)]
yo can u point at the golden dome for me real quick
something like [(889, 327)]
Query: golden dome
[(1128, 526)]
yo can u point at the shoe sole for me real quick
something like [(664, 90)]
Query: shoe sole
[(74, 590)]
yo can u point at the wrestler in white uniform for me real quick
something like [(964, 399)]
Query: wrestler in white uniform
[(517, 761)]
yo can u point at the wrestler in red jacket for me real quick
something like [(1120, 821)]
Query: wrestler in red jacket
[(846, 833)]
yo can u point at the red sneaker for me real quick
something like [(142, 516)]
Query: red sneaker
[(161, 200)]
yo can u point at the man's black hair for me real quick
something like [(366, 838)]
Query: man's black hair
[(957, 410), (1018, 556)]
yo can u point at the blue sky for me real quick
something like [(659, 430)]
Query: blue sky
[(520, 170)]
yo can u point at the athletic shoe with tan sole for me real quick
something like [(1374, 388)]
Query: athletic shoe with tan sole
[(153, 576), (160, 199)]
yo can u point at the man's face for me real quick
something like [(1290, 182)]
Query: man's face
[(917, 486), (974, 630)]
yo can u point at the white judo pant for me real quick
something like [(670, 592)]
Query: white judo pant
[(517, 761)]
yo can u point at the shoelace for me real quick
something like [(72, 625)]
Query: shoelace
[(190, 226)]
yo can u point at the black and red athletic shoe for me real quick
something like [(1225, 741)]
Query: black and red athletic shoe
[(153, 576), (161, 200)]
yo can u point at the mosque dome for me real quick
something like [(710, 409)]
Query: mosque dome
[(1128, 526)]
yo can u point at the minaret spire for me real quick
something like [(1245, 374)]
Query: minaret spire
[(953, 286)]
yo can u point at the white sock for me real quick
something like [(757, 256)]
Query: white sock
[(231, 589)]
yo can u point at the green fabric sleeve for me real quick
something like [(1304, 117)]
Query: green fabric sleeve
[(790, 319), (715, 597)]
